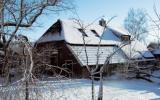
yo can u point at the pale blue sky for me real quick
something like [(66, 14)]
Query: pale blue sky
[(89, 10)]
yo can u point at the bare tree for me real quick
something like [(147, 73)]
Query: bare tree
[(16, 15), (20, 14), (136, 23), (25, 63), (98, 69), (155, 25)]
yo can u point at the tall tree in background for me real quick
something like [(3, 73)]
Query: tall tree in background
[(136, 23)]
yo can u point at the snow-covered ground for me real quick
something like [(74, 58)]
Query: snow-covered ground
[(115, 88), (131, 90)]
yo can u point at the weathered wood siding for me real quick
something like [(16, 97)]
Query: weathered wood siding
[(64, 56)]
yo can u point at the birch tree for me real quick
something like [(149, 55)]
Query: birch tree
[(136, 23)]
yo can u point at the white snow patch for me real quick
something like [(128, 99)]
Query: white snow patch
[(114, 89), (71, 34), (136, 49), (104, 52)]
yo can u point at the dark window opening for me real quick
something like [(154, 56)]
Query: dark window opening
[(83, 32), (125, 38), (95, 33)]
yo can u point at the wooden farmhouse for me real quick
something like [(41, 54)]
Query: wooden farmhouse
[(73, 45)]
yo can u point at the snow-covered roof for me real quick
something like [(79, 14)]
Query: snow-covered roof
[(50, 37), (71, 34), (137, 49), (104, 52), (119, 30), (156, 51)]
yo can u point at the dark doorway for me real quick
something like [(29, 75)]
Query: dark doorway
[(54, 59)]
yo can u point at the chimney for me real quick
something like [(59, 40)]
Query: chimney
[(102, 22)]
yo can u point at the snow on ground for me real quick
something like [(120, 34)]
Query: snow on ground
[(130, 90), (115, 88)]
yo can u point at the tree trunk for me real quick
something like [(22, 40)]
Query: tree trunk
[(100, 94), (6, 66), (92, 77), (27, 91)]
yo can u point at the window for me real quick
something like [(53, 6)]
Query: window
[(83, 32), (95, 33), (125, 38)]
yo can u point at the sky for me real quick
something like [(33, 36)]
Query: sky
[(89, 10)]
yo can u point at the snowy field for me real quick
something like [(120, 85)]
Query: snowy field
[(80, 89)]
